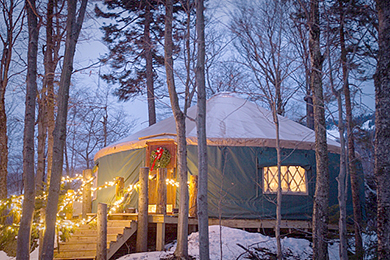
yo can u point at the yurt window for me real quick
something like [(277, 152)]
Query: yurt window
[(294, 180)]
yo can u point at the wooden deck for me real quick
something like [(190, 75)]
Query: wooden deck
[(122, 228)]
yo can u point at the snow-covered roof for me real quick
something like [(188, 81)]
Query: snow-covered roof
[(230, 121)]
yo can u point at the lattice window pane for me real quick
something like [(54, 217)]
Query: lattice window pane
[(293, 179)]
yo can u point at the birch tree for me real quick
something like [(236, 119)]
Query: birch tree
[(74, 23), (264, 48), (342, 177), (263, 44), (182, 229), (345, 63), (300, 40), (203, 217)]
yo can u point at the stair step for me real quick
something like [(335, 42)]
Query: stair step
[(110, 223), (82, 244), (93, 232), (89, 239), (118, 223), (86, 254), (65, 247)]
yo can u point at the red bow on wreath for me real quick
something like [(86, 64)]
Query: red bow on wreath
[(159, 153)]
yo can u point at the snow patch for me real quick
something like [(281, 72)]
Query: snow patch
[(368, 125), (33, 256), (228, 240)]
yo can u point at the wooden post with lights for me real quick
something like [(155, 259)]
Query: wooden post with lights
[(87, 196), (69, 208), (119, 188), (193, 190), (101, 247), (142, 231), (161, 207), (161, 191), (119, 192)]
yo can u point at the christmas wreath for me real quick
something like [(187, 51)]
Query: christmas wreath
[(160, 158)]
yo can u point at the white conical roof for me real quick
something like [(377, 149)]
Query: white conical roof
[(230, 121)]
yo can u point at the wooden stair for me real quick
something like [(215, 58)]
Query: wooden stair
[(82, 244)]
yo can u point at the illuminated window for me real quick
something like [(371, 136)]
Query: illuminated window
[(294, 179)]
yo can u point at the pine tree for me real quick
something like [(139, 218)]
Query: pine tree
[(132, 40)]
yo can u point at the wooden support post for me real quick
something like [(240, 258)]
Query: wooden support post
[(193, 195), (119, 188), (119, 192), (161, 191), (142, 231), (101, 248), (87, 196), (191, 229), (160, 237), (69, 208)]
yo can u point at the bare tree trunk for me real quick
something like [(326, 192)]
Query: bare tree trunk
[(105, 123), (278, 95), (3, 125), (8, 41), (182, 230), (357, 212), (24, 234), (342, 187), (50, 128), (342, 177), (42, 110), (382, 124), (73, 30), (43, 113), (304, 55), (203, 216), (309, 111), (187, 101), (3, 141), (279, 191), (42, 130), (52, 59), (149, 67), (321, 197)]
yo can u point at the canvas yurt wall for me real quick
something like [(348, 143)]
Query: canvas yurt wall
[(241, 156)]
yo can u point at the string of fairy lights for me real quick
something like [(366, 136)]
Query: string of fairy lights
[(14, 203)]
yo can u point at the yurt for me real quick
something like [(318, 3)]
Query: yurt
[(242, 180)]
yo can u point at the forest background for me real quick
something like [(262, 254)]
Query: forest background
[(256, 49)]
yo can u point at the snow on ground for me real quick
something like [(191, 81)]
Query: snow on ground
[(293, 247), (33, 255), (296, 248)]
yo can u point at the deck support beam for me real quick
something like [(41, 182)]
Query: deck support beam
[(161, 207), (160, 237), (193, 190), (87, 196)]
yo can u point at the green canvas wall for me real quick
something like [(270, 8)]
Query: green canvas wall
[(235, 180)]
